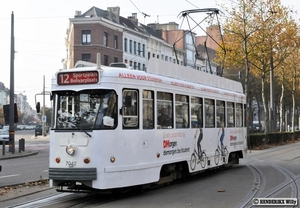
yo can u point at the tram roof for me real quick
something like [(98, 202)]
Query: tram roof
[(171, 70), (164, 68)]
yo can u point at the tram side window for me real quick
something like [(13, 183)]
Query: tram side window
[(130, 109), (209, 113), (182, 111), (230, 114), (239, 115), (148, 109), (164, 110), (220, 114), (197, 112)]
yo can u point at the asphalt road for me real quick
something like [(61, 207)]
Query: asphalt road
[(26, 169), (269, 173)]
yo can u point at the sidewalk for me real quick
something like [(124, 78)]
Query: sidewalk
[(17, 154)]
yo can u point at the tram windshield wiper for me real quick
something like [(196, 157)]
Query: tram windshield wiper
[(87, 133)]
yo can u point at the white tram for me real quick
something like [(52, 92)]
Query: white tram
[(117, 127)]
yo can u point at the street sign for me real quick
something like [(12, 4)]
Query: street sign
[(44, 118)]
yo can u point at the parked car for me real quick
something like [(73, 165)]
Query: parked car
[(39, 130), (256, 126), (4, 136)]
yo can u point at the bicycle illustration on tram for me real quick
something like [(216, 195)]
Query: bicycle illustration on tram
[(221, 152), (198, 156)]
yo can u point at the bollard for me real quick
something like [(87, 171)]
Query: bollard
[(21, 145), (3, 148)]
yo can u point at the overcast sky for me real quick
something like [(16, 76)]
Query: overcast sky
[(40, 30)]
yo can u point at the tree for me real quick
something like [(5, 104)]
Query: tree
[(256, 33)]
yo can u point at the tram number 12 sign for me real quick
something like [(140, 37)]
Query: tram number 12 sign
[(74, 78)]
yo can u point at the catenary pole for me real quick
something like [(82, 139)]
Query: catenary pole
[(11, 95)]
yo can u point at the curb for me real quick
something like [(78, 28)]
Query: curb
[(18, 155)]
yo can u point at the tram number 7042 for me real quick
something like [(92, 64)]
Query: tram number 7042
[(71, 164)]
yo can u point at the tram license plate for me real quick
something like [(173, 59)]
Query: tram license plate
[(71, 164)]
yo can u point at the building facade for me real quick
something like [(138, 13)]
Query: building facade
[(117, 39)]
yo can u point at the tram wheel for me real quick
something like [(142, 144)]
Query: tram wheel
[(217, 156), (203, 160), (193, 161)]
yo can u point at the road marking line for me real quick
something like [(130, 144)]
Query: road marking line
[(9, 176)]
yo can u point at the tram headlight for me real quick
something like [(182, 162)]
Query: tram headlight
[(71, 149), (112, 159)]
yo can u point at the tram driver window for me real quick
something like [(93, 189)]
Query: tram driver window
[(164, 110), (130, 108)]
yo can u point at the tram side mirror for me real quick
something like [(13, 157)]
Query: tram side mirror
[(38, 107), (128, 101)]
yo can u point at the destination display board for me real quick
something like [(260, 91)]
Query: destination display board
[(74, 78)]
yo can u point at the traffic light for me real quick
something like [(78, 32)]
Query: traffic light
[(6, 114), (38, 107)]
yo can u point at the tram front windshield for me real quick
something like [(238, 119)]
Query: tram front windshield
[(87, 109)]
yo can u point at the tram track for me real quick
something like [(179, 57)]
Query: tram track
[(94, 199), (71, 200), (272, 178), (292, 181)]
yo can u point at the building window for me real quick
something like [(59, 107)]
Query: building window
[(106, 60), (115, 59), (125, 44), (116, 41), (139, 66), (86, 37), (139, 49), (144, 50), (130, 46), (105, 39), (134, 47), (86, 57)]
